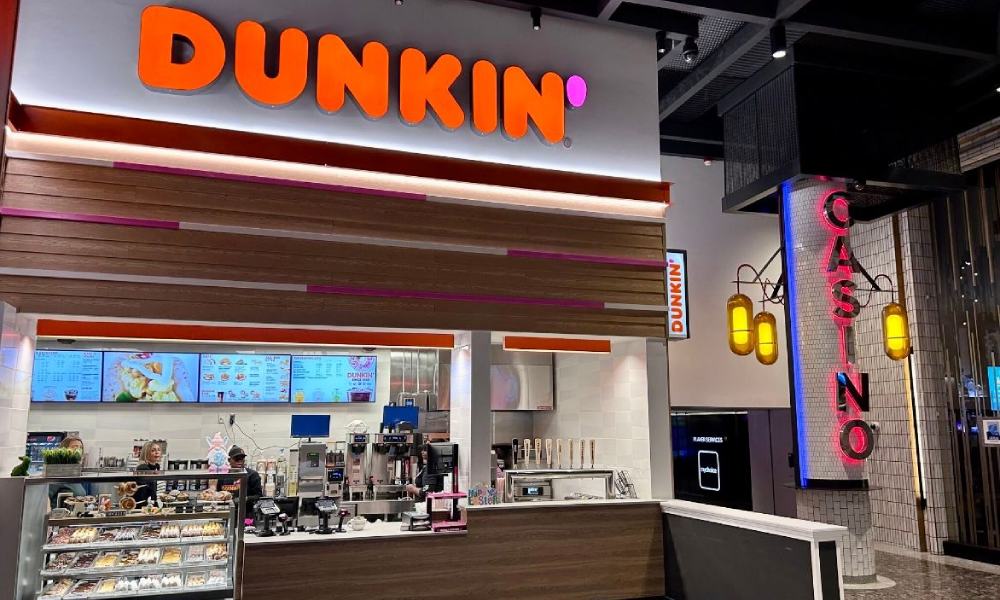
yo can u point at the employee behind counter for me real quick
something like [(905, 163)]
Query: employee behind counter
[(238, 462)]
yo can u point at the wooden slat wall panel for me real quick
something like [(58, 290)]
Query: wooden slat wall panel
[(598, 552), (72, 247)]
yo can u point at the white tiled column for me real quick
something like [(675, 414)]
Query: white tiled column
[(470, 406), (818, 352), (17, 351)]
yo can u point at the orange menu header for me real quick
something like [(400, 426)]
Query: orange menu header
[(506, 99)]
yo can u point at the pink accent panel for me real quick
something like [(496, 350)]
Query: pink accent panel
[(85, 218), (271, 181), (426, 295), (610, 260)]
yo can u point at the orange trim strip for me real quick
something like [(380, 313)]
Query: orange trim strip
[(511, 342), (162, 331), (90, 126)]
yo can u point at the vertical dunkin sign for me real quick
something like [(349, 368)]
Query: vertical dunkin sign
[(855, 435)]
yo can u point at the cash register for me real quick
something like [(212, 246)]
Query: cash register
[(265, 511), (325, 508)]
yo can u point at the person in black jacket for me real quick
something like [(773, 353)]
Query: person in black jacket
[(238, 462), (149, 460)]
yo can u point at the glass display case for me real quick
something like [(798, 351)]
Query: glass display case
[(107, 545)]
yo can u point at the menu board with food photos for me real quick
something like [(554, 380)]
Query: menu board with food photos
[(150, 377), (244, 377), (66, 376), (333, 378)]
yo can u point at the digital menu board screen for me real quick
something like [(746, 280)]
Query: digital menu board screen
[(333, 378), (66, 376), (150, 377), (244, 377)]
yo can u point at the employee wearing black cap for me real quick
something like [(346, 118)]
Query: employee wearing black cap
[(237, 462)]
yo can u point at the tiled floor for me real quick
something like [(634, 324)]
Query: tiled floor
[(923, 577)]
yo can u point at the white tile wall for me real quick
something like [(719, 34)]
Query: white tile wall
[(604, 397)]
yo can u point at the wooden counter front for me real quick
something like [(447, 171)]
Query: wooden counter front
[(601, 551)]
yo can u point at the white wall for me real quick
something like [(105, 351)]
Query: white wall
[(17, 353), (604, 397), (703, 372), (111, 428)]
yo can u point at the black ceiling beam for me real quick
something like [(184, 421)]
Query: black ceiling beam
[(723, 57), (898, 32), (749, 11), (608, 8), (693, 149), (660, 19)]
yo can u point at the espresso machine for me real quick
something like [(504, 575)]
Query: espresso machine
[(311, 481)]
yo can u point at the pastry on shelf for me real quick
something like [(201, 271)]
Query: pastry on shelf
[(216, 578), (171, 556), (126, 585), (172, 581), (217, 552), (129, 559), (149, 556), (61, 561), (150, 532), (85, 560), (182, 497), (107, 586), (128, 534), (150, 582), (195, 580), (170, 531), (106, 535), (192, 530), (213, 529), (61, 535), (82, 589), (106, 560), (57, 588), (196, 554), (83, 535)]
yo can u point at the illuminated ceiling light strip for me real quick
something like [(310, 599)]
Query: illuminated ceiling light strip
[(48, 147), (550, 344)]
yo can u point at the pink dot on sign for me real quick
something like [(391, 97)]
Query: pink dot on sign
[(576, 91)]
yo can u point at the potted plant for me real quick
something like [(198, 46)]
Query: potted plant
[(62, 462)]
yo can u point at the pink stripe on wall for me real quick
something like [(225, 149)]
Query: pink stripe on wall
[(86, 218), (610, 260), (427, 295), (270, 181)]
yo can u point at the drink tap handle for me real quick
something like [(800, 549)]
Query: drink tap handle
[(571, 442), (538, 452), (582, 448), (548, 452), (593, 452), (559, 449), (527, 453)]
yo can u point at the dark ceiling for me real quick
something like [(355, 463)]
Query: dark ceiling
[(949, 43)]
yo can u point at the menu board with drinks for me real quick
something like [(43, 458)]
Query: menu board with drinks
[(244, 377), (66, 376), (333, 378)]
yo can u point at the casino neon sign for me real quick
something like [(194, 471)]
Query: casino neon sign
[(855, 436), (507, 101)]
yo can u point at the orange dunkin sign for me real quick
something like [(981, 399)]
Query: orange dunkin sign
[(506, 98)]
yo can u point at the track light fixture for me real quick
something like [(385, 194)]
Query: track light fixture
[(536, 18), (779, 41), (399, 2), (661, 43), (690, 50)]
